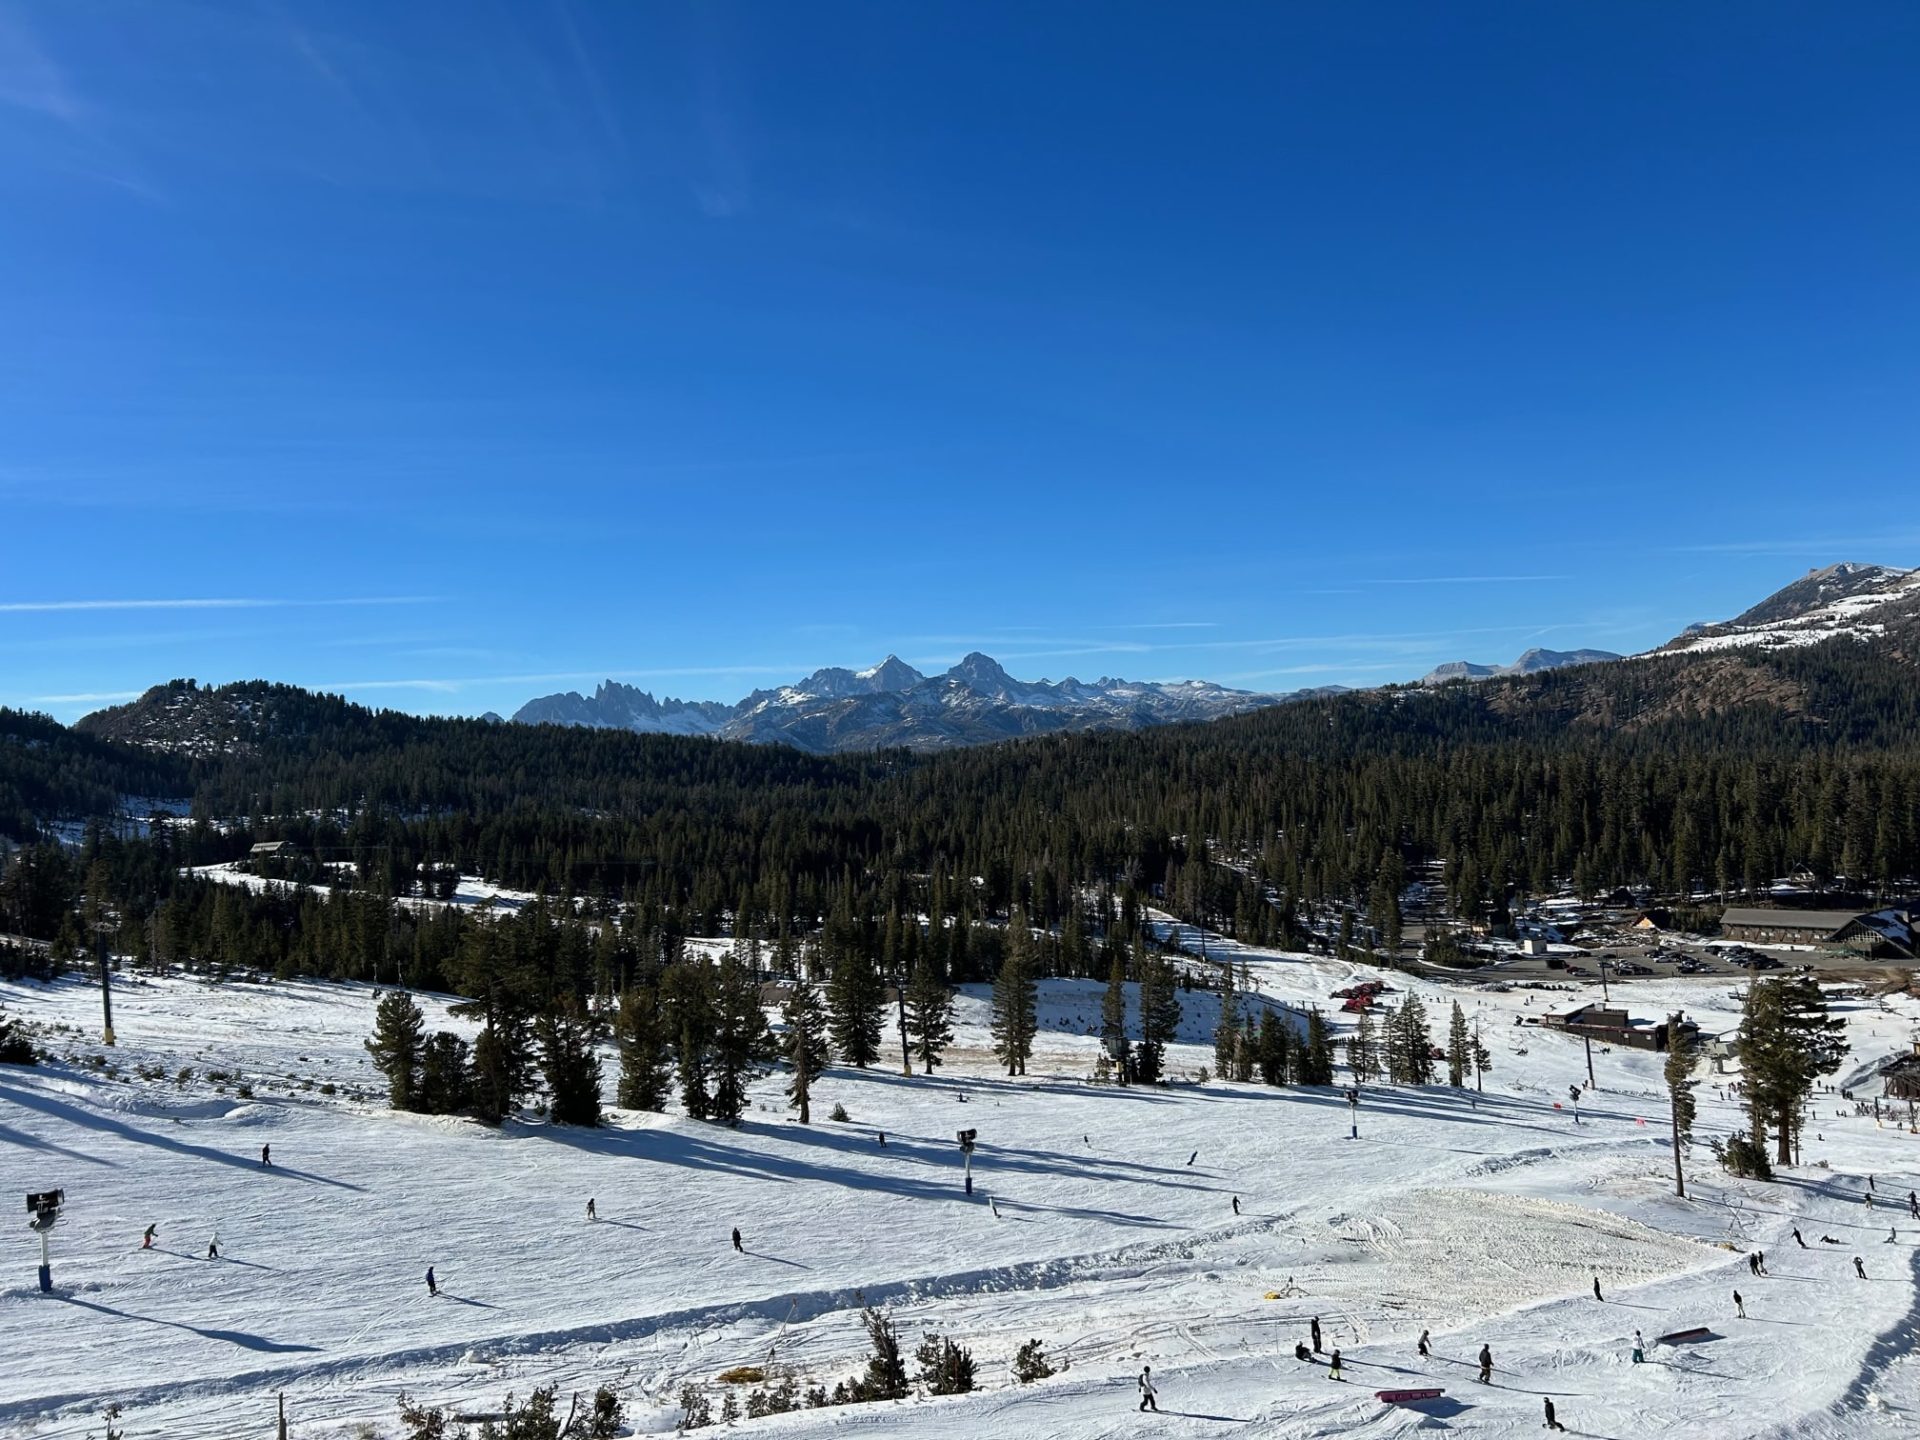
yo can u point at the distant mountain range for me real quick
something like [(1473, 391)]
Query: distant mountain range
[(977, 701), (893, 704), (1530, 663)]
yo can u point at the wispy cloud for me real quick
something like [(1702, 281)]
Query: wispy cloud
[(1829, 547), (452, 684), (29, 78), (26, 607), (87, 697)]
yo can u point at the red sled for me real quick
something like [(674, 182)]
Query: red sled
[(1406, 1397)]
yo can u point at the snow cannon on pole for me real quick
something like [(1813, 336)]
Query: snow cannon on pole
[(1353, 1112), (966, 1149), (44, 1207)]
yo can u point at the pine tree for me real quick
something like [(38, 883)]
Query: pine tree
[(569, 1065), (929, 1014), (1363, 1049), (805, 1045), (1787, 1041), (15, 1047), (1409, 1044), (1226, 1030), (1113, 1016), (399, 1032), (646, 1065), (740, 1045), (1159, 1017), (1315, 1064), (1014, 1020), (1680, 1083), (1459, 1048), (446, 1075), (686, 998), (856, 998), (1273, 1045)]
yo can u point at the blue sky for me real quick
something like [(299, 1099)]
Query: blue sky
[(449, 354)]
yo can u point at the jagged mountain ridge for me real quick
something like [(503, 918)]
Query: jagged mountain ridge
[(1531, 663), (892, 704)]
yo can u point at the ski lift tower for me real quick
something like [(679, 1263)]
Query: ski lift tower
[(44, 1207), (966, 1149)]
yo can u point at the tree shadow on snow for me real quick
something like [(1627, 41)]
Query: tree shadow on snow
[(10, 1136), (93, 1120), (231, 1337)]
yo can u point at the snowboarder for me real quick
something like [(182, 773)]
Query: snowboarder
[(736, 1241), (1797, 1238), (266, 1154), (1333, 1371), (1893, 1236), (1422, 1347), (591, 1214), (1147, 1392), (153, 1233), (881, 1135), (1870, 1184), (1300, 1351), (1553, 1422), (1913, 1204), (213, 1249), (1193, 1157), (1858, 1268), (1639, 1349), (1236, 1204), (1315, 1329), (994, 1206), (1753, 1264), (1486, 1365), (1761, 1256), (1828, 1240), (1739, 1306), (433, 1286), (1596, 1290)]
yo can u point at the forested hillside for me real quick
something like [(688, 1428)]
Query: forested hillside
[(1712, 772)]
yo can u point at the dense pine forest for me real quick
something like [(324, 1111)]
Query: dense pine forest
[(1683, 774)]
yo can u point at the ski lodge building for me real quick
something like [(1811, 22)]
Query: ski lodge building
[(1611, 1025), (1890, 933)]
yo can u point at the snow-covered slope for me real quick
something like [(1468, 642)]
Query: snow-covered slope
[(1844, 601), (1479, 1217)]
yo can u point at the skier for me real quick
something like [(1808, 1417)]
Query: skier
[(1596, 1290), (1552, 1422), (590, 1211), (1639, 1349), (882, 1135), (1893, 1236), (213, 1249), (433, 1286), (1424, 1351), (1913, 1204), (1869, 1200), (153, 1233), (1236, 1204), (1761, 1257), (1858, 1268), (993, 1206), (266, 1154), (1193, 1157), (1315, 1328), (1870, 1184), (736, 1241), (1797, 1238), (1753, 1264), (1739, 1306), (1147, 1392), (1486, 1365), (1333, 1372)]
